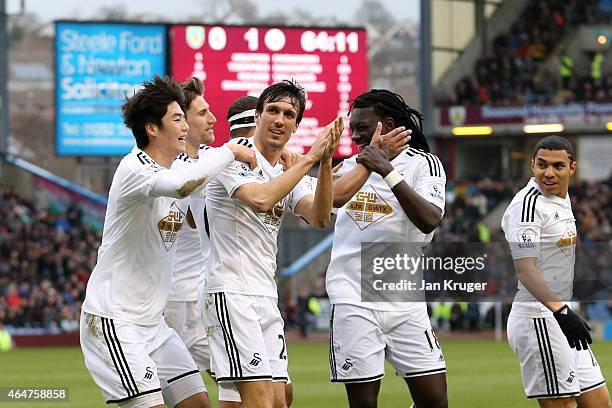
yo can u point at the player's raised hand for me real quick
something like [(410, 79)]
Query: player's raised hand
[(288, 159), (320, 144), (575, 329), (395, 141), (243, 154), (375, 159), (336, 131)]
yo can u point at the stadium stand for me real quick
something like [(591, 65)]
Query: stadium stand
[(45, 261), (467, 203), (512, 73)]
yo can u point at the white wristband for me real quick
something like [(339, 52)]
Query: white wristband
[(393, 179)]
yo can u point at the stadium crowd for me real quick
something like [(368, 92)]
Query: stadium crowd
[(510, 74), (467, 202), (45, 261), (46, 257)]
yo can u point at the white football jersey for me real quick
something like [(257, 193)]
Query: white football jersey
[(243, 243), (375, 215), (131, 279), (188, 259), (542, 226), (198, 209)]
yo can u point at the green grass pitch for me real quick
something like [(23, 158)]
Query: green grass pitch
[(480, 374)]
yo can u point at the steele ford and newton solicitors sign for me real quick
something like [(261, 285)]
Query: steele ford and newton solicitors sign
[(97, 66)]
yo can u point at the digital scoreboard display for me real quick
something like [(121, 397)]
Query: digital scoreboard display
[(234, 61)]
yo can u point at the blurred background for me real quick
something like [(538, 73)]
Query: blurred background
[(490, 76)]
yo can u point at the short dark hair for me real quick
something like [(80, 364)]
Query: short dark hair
[(554, 143), (240, 105), (388, 104), (191, 90), (280, 90), (149, 105)]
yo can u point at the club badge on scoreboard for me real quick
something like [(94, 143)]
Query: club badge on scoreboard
[(194, 35)]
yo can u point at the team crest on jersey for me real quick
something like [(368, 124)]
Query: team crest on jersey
[(170, 225), (567, 243), (367, 207)]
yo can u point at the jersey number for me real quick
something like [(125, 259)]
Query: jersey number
[(282, 354)]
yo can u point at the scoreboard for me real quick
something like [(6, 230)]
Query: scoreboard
[(98, 65), (234, 61)]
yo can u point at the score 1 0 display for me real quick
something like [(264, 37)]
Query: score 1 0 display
[(234, 61)]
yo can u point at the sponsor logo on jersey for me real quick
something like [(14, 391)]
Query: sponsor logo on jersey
[(567, 243), (170, 225), (273, 217), (367, 207), (149, 374), (255, 361)]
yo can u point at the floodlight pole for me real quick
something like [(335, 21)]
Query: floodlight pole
[(4, 66), (425, 71)]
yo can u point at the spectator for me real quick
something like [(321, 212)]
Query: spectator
[(506, 76)]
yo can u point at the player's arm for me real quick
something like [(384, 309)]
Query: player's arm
[(261, 197), (527, 273), (316, 208), (425, 215), (575, 329), (347, 185), (181, 182)]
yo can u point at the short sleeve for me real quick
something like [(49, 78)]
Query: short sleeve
[(306, 186), (522, 233), (237, 174), (430, 180), (139, 179)]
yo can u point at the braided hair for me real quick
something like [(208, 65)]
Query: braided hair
[(389, 104)]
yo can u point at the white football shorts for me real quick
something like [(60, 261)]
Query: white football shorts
[(185, 318), (138, 365), (549, 366), (361, 338), (246, 337)]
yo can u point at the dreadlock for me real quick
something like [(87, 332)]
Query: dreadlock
[(389, 104)]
